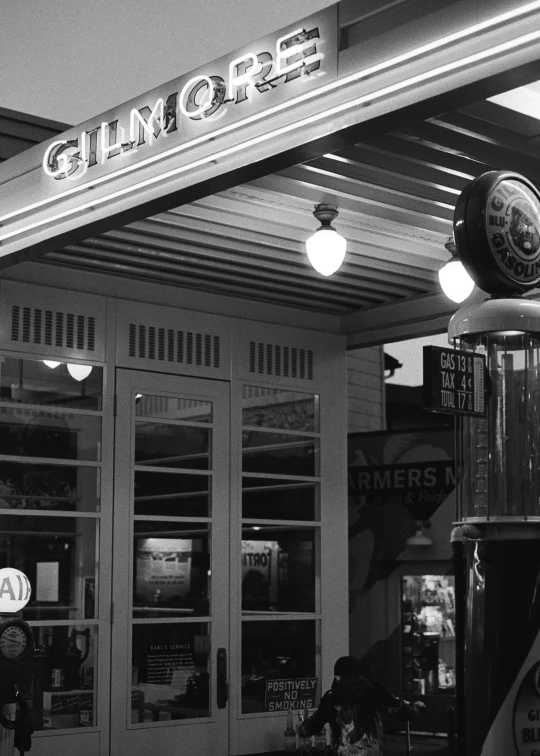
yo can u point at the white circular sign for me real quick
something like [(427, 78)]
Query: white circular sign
[(15, 590), (512, 225)]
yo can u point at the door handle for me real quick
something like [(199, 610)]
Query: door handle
[(222, 684)]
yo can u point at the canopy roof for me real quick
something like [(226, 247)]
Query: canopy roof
[(395, 188)]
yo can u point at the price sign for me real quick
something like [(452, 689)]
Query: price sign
[(454, 381)]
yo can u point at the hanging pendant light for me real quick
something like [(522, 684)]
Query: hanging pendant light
[(455, 282), (326, 248), (420, 538), (51, 364), (79, 372)]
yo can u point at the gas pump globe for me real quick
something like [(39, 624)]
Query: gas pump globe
[(497, 537)]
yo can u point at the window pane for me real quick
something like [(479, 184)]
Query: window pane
[(428, 616), (44, 433), (58, 555), (278, 569), (171, 565), (170, 672), (163, 445), (32, 382), (279, 454), (49, 487), (172, 494), (62, 694), (271, 499), (281, 649), (173, 408), (277, 408)]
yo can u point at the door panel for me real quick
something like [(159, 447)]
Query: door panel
[(55, 526), (278, 560), (171, 566)]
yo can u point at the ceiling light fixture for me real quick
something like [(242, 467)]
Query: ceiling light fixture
[(79, 372), (420, 538), (51, 364), (456, 283), (326, 248)]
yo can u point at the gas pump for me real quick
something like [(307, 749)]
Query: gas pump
[(497, 536), (16, 647)]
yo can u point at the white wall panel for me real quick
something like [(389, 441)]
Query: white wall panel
[(365, 389), (55, 322), (172, 340)]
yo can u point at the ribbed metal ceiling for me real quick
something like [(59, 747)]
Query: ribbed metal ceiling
[(395, 193)]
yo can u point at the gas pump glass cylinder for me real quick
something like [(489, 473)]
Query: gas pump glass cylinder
[(499, 454)]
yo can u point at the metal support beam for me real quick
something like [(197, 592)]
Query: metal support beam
[(407, 319)]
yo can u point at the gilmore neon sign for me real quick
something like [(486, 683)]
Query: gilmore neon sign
[(232, 89)]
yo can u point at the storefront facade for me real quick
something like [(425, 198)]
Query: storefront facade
[(245, 418), (182, 509)]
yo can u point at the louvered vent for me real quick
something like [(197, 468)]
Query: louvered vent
[(283, 361), (153, 406), (32, 325), (169, 345)]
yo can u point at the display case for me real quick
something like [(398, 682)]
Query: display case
[(428, 639)]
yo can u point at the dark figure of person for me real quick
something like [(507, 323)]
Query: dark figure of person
[(353, 708)]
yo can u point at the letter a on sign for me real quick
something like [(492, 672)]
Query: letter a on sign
[(7, 588)]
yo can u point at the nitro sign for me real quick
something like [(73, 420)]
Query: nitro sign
[(236, 88)]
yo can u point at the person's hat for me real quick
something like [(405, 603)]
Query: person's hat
[(346, 666)]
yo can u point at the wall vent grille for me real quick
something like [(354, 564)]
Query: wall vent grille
[(170, 345), (33, 325), (154, 406), (281, 361)]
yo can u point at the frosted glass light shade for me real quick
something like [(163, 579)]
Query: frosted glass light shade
[(456, 283), (51, 364), (16, 591), (419, 539), (79, 372), (326, 250)]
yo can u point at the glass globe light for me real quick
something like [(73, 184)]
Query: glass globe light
[(455, 282), (16, 590), (419, 538), (79, 372), (326, 248), (51, 364)]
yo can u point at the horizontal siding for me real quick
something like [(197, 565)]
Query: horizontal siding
[(364, 380), (20, 131), (370, 407), (368, 356), (11, 146), (363, 423), (365, 389)]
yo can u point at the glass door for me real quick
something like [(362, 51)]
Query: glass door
[(170, 619), (279, 572), (55, 527)]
